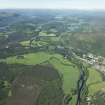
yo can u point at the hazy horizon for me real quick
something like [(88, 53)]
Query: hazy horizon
[(53, 4)]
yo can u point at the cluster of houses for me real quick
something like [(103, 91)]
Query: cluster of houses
[(93, 59)]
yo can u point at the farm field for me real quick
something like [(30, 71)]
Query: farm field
[(36, 82), (69, 71), (95, 81)]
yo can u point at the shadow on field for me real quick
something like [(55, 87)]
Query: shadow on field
[(39, 85)]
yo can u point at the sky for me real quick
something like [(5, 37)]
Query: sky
[(53, 4)]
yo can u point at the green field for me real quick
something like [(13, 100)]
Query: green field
[(25, 43), (95, 82), (94, 76), (29, 59), (33, 44), (96, 87), (69, 71)]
